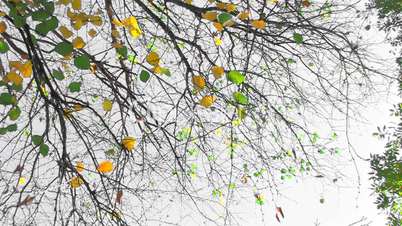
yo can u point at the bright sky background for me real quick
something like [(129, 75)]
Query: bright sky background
[(344, 203)]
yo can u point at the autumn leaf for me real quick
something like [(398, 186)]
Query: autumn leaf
[(129, 143), (199, 82), (207, 101), (105, 166), (119, 195), (27, 201), (3, 27), (217, 71), (210, 15), (79, 166), (259, 24), (153, 58), (78, 43), (14, 78), (76, 4), (65, 32), (244, 15), (132, 25), (107, 105), (76, 182)]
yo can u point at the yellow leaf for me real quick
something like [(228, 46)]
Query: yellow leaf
[(71, 15), (207, 101), (117, 22), (157, 69), (188, 2), (217, 41), (77, 107), (65, 32), (78, 43), (218, 132), (92, 33), (2, 14), (76, 4), (64, 2), (76, 182), (117, 45), (198, 82), (230, 7), (152, 58), (129, 143), (218, 26), (221, 5), (244, 15), (95, 20), (217, 71), (14, 78), (26, 69), (21, 181), (3, 27), (115, 33), (132, 25), (259, 24), (107, 105), (209, 15), (93, 68), (77, 25), (79, 166), (105, 166)]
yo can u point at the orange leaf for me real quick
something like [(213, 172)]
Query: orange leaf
[(105, 166)]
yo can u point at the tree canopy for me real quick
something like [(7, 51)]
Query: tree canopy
[(112, 108)]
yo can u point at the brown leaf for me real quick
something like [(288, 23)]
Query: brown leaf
[(27, 201), (118, 196)]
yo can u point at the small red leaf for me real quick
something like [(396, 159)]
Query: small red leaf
[(277, 218), (279, 210)]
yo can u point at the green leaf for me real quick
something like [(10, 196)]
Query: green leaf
[(122, 52), (183, 134), (53, 23), (37, 140), (82, 62), (15, 113), (3, 131), (44, 150), (240, 98), (46, 26), (17, 88), (131, 58), (144, 76), (241, 113), (40, 15), (236, 77), (12, 128), (298, 38), (57, 74), (64, 48), (4, 47), (49, 7), (74, 87), (224, 17), (166, 71), (7, 99), (19, 21)]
